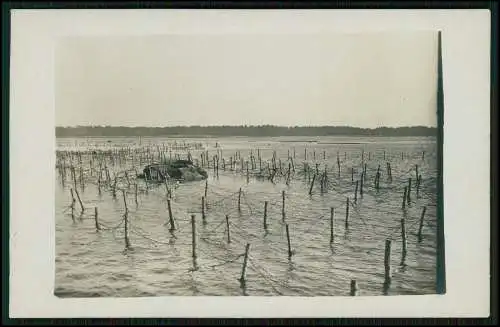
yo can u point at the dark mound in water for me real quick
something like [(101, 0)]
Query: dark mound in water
[(183, 170)]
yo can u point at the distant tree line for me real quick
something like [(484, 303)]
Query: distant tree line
[(254, 131)]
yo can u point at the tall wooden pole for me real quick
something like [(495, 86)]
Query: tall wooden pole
[(440, 264)]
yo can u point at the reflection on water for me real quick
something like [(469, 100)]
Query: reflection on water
[(160, 261)]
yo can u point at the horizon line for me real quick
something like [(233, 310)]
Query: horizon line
[(246, 126)]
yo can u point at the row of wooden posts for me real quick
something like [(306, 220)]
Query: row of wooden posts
[(272, 172), (162, 149), (204, 204), (205, 162), (387, 264), (274, 167), (290, 252), (406, 199)]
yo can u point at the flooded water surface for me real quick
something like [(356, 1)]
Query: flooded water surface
[(318, 177)]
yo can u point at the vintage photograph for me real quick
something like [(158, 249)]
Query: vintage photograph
[(248, 165)]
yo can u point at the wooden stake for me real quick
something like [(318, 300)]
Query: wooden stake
[(124, 200), (421, 225), (128, 180), (288, 240), (74, 175), (387, 262), (404, 197), (362, 182), (167, 189), (203, 209), (227, 225), (338, 163), (265, 215), (79, 200), (419, 180), (193, 236), (283, 207), (403, 240), (242, 278), (97, 227), (354, 288), (347, 214), (409, 190), (206, 190), (72, 197), (127, 243), (136, 202), (170, 216), (312, 184), (288, 174), (377, 178), (114, 188), (332, 213), (73, 211), (82, 183), (239, 200), (356, 193), (217, 166)]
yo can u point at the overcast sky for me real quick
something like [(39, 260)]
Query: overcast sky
[(363, 80)]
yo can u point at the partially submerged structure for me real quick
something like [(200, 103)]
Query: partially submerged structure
[(182, 170)]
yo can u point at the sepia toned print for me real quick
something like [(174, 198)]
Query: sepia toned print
[(254, 165)]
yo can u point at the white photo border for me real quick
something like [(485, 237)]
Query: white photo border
[(466, 159)]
